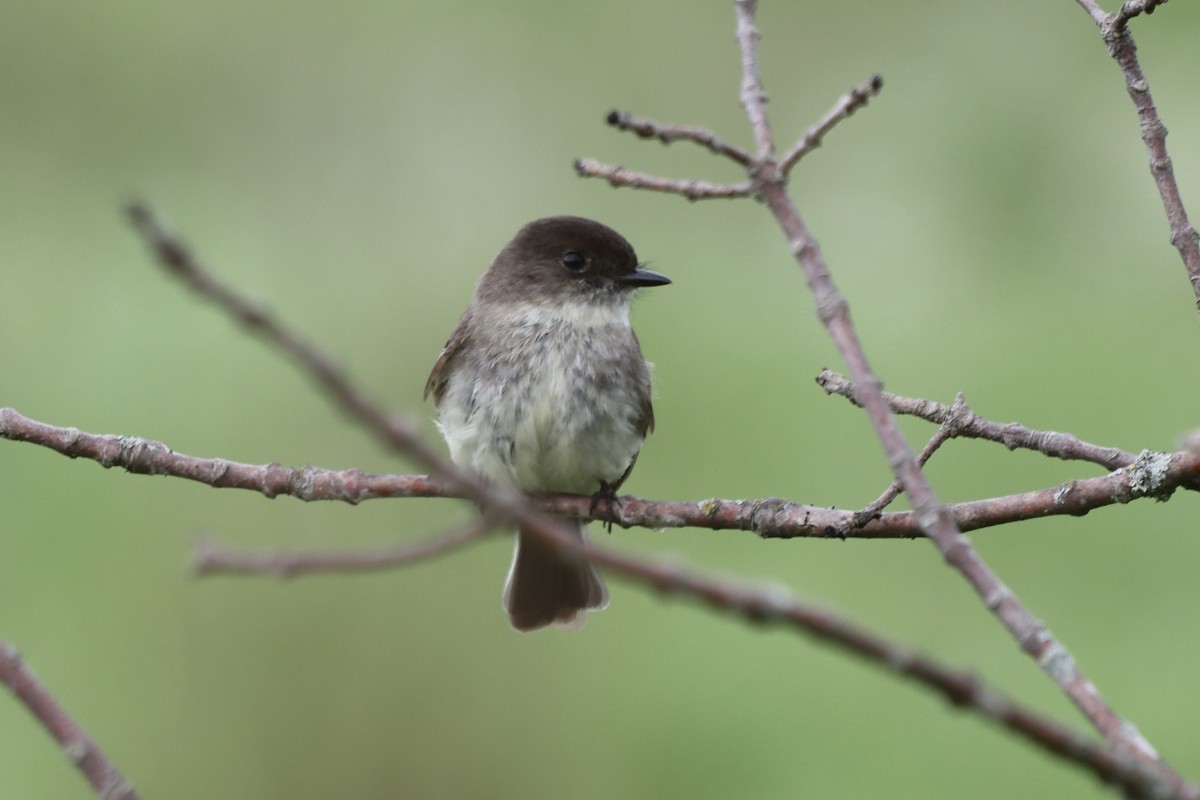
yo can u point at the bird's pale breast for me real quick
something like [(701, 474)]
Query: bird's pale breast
[(549, 401)]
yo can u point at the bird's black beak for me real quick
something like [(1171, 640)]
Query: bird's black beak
[(642, 277)]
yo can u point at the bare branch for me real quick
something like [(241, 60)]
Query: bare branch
[(760, 606), (776, 606), (753, 97), (649, 129), (772, 606), (692, 190), (80, 748), (970, 425), (1115, 32), (850, 102), (1152, 474), (148, 457), (213, 558), (936, 520)]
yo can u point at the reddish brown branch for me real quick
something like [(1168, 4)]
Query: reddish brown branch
[(80, 748), (1150, 475), (148, 457), (767, 517)]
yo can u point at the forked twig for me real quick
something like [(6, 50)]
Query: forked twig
[(872, 510), (968, 424)]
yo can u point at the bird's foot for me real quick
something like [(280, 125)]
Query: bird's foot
[(606, 495)]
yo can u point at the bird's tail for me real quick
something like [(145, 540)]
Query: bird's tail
[(545, 589)]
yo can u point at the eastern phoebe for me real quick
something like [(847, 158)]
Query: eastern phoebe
[(542, 387)]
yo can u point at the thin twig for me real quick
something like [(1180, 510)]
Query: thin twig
[(1151, 474), (970, 425), (649, 129), (753, 97), (945, 432), (1114, 30), (846, 105), (80, 748), (214, 558), (692, 190)]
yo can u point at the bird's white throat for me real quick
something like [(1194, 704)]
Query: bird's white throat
[(580, 313)]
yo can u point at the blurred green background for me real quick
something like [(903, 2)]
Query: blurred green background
[(355, 166)]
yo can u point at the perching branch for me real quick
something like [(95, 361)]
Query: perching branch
[(76, 745), (1151, 474), (760, 606)]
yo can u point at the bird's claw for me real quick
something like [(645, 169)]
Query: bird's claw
[(606, 494)]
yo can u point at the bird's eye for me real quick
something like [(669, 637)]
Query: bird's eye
[(574, 261)]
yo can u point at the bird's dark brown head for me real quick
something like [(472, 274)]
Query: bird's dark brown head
[(565, 259)]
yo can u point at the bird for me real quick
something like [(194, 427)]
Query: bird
[(542, 387)]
